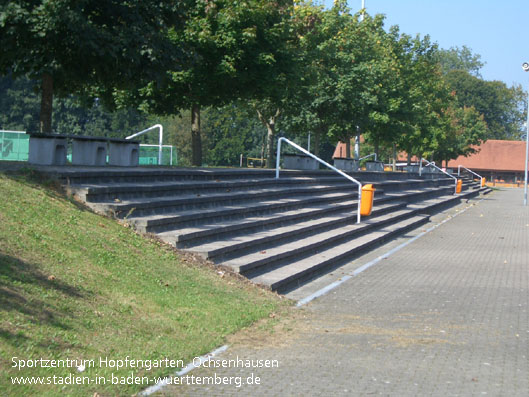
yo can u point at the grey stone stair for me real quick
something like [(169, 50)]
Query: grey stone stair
[(278, 252), (296, 273), (230, 247), (170, 221), (148, 206), (127, 191), (193, 236), (277, 232)]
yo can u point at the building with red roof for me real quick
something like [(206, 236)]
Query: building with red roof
[(498, 161)]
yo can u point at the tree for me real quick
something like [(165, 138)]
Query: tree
[(500, 106), (71, 46), (457, 58), (465, 129), (345, 69), (234, 51), (424, 97)]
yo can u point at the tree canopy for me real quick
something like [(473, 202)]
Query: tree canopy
[(72, 46), (294, 66)]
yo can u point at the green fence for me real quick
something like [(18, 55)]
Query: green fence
[(14, 146)]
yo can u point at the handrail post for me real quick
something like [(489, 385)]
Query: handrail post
[(278, 157)]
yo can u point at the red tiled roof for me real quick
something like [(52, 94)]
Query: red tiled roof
[(495, 155)]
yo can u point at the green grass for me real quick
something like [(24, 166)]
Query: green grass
[(75, 285)]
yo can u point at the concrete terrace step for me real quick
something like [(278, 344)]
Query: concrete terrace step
[(174, 219), (304, 234), (141, 207), (164, 222), (186, 237), (278, 232), (125, 191), (148, 206), (284, 278), (137, 191), (222, 242), (73, 176), (279, 252)]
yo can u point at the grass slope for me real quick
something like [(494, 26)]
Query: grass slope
[(74, 285)]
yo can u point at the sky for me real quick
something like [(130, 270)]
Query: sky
[(497, 30)]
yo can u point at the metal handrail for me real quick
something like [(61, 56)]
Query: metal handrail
[(472, 172), (432, 163), (358, 216), (369, 155), (160, 140)]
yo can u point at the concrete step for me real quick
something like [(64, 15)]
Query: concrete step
[(278, 232), (153, 189), (147, 207), (166, 219), (190, 236), (172, 220), (164, 205), (223, 244), (273, 253), (296, 273), (95, 175), (415, 195)]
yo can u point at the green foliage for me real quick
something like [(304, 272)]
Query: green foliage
[(500, 106), (80, 43), (465, 129), (462, 58), (300, 68), (19, 106)]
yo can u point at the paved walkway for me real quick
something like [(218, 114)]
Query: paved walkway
[(445, 316)]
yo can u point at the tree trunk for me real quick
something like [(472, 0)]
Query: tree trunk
[(270, 128), (394, 157), (263, 148), (317, 136), (196, 140), (270, 125), (46, 103), (408, 162)]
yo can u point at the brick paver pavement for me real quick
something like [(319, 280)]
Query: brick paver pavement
[(445, 316)]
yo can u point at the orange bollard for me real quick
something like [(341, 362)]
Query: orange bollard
[(368, 193), (459, 185), (483, 181)]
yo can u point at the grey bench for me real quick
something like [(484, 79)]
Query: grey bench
[(51, 149)]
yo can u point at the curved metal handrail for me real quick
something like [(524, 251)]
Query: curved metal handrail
[(432, 164), (358, 217), (369, 155), (472, 172), (160, 127)]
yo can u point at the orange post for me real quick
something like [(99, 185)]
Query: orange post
[(483, 181), (368, 193), (459, 185)]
